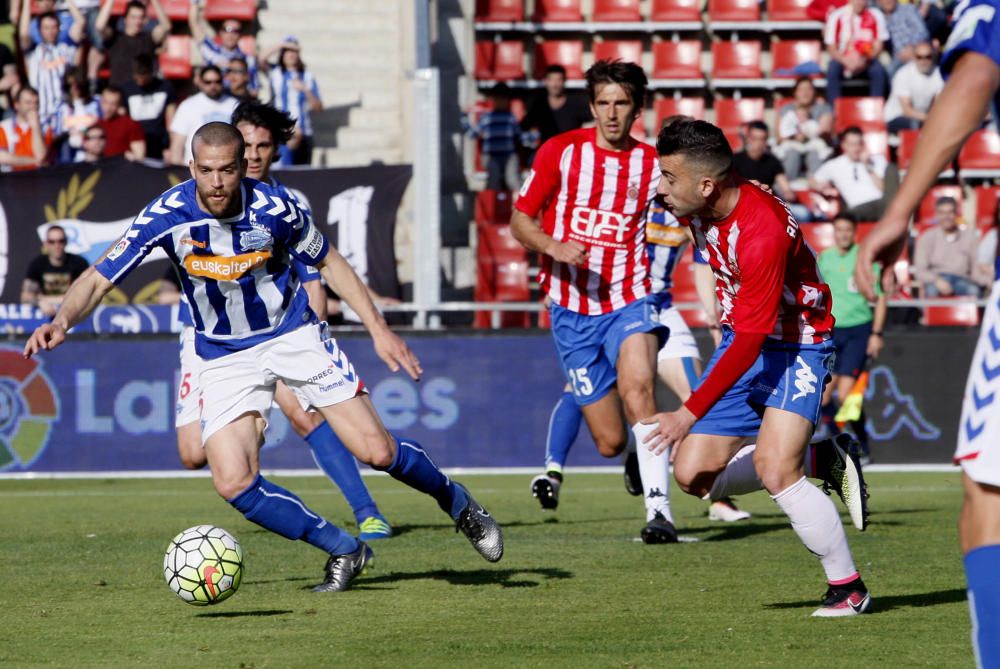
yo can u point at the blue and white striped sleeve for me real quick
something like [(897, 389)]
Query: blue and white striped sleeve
[(145, 234), (305, 241)]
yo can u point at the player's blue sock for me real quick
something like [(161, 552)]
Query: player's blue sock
[(564, 425), (981, 567), (339, 464), (281, 511), (415, 468)]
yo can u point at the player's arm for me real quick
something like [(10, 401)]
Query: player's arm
[(317, 298), (30, 291), (875, 339), (532, 237), (81, 299), (955, 114)]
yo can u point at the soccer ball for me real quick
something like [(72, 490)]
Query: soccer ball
[(203, 565)]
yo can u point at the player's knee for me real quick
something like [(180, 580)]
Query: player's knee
[(694, 481), (192, 459), (379, 452), (774, 473), (637, 399), (303, 423), (230, 486), (610, 444)]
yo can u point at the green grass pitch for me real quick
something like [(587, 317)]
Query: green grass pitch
[(81, 583)]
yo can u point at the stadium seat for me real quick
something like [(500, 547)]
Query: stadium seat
[(961, 313), (496, 243), (558, 10), (664, 107), (789, 54), (823, 208), (819, 236), (629, 51), (677, 60), (669, 11), (737, 11), (907, 142), (926, 212), (736, 60), (980, 156), (501, 273), (485, 53), (788, 10), (499, 11), (684, 290), (220, 10), (493, 207), (638, 130), (567, 52), (176, 10), (117, 8), (732, 114), (175, 58), (508, 60), (866, 113), (616, 10), (986, 205)]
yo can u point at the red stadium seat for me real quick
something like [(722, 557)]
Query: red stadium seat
[(986, 205), (788, 10), (616, 10), (981, 153), (907, 142), (496, 11), (493, 207), (733, 10), (676, 10), (175, 58), (638, 129), (629, 51), (961, 313), (819, 236), (566, 52), (508, 60), (684, 290), (502, 273), (220, 10), (176, 10), (497, 244), (731, 114), (485, 53), (677, 60), (822, 207), (788, 54), (865, 113), (736, 60), (926, 212), (117, 8), (558, 10), (664, 107)]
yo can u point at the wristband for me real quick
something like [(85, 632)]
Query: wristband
[(876, 334)]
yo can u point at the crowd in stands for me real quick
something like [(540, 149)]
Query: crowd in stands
[(813, 151), (88, 80)]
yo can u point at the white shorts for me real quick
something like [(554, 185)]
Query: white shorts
[(316, 370), (681, 343), (189, 387), (978, 449)]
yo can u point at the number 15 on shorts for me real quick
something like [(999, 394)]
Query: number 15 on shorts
[(582, 387)]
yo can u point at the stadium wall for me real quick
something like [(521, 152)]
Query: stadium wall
[(106, 403)]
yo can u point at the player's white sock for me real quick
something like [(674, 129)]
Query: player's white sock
[(815, 519), (739, 477), (655, 473)]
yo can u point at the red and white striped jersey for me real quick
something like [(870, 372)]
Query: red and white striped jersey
[(595, 197), (766, 278)]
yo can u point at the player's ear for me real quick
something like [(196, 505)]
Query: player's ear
[(191, 169)]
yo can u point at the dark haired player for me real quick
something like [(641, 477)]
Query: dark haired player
[(767, 375), (971, 62), (589, 188)]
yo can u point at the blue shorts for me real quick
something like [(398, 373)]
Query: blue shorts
[(786, 376), (588, 345), (851, 346)]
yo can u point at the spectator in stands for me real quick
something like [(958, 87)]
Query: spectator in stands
[(294, 90), (23, 143), (906, 31), (46, 60), (122, 46), (986, 254), (237, 79), (945, 256), (499, 132), (935, 19), (152, 102), (50, 274), (40, 8), (855, 35), (864, 182), (211, 104), (94, 141), (914, 87), (124, 136), (220, 48), (9, 77), (804, 127), (553, 110), (757, 162), (78, 111)]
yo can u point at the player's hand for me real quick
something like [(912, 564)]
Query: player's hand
[(763, 187), (395, 353), (716, 333), (884, 244), (45, 337), (672, 427), (571, 252), (874, 346)]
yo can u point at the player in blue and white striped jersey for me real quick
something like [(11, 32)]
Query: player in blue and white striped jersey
[(232, 240)]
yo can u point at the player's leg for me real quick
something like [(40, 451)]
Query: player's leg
[(188, 405), (189, 445), (564, 426), (336, 462), (979, 533)]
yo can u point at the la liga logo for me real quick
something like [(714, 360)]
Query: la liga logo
[(28, 408)]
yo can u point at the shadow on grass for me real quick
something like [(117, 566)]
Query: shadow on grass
[(245, 614), (740, 530), (507, 578), (881, 604), (548, 519)]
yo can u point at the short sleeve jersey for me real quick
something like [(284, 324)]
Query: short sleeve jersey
[(765, 274), (235, 273), (850, 307), (595, 197)]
